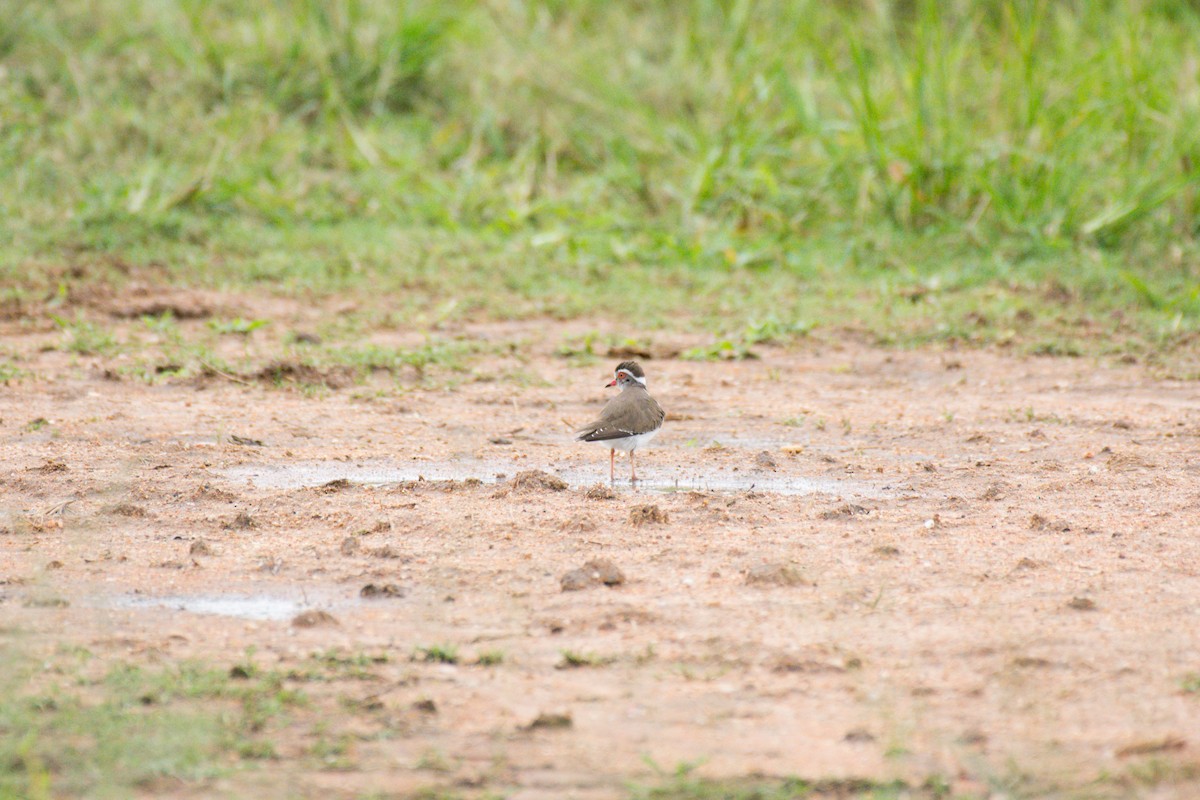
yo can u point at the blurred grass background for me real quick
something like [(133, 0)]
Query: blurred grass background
[(1018, 170)]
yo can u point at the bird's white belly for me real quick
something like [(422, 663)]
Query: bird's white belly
[(631, 443)]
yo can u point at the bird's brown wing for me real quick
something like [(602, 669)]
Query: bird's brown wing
[(627, 414)]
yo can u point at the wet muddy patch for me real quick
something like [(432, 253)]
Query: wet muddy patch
[(259, 607), (667, 480)]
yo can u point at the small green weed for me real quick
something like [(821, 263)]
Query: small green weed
[(237, 326), (490, 658), (573, 659), (439, 654), (86, 338)]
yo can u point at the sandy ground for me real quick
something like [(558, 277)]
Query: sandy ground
[(873, 564)]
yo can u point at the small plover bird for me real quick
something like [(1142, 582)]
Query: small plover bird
[(629, 420)]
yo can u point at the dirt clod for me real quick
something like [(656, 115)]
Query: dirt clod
[(206, 491), (578, 523), (313, 619), (648, 515), (1146, 748), (535, 480), (1039, 523), (765, 460), (372, 590), (349, 546), (46, 602), (805, 665), (576, 580), (279, 373), (774, 575), (200, 548), (550, 721), (599, 491), (127, 510), (993, 492), (242, 521), (847, 511), (599, 571), (245, 441), (334, 486), (50, 466), (1082, 604), (1031, 662)]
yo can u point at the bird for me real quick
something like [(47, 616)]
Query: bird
[(629, 420)]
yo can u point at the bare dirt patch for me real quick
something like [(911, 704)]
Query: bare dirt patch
[(861, 565)]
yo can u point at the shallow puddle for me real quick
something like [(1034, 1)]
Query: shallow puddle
[(383, 473), (257, 607)]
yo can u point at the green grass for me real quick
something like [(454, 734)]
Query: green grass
[(1005, 171), (131, 727)]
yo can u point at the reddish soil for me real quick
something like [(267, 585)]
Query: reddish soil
[(872, 564)]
